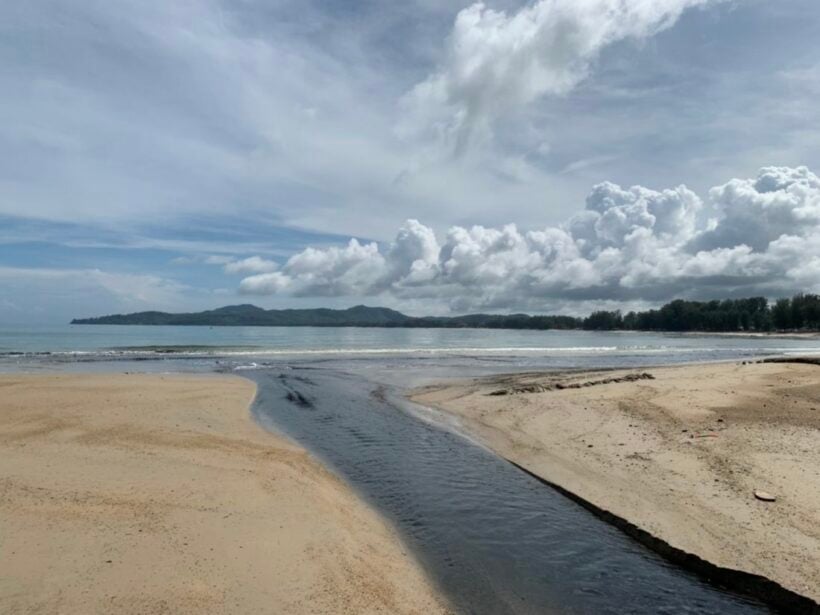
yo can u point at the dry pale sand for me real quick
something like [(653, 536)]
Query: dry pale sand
[(679, 456), (158, 494)]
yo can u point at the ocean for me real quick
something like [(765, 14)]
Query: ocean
[(75, 343)]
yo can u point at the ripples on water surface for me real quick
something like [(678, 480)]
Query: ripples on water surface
[(114, 340), (495, 539)]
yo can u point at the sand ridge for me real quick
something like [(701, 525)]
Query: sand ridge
[(158, 494)]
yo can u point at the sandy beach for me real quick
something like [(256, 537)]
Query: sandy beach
[(678, 451), (158, 494)]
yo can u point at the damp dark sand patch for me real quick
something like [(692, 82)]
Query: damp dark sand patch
[(563, 385)]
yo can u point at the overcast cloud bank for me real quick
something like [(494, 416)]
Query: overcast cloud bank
[(761, 236)]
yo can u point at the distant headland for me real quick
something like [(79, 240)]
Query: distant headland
[(755, 314)]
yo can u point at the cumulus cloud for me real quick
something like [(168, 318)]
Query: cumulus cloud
[(776, 203), (627, 244), (323, 272), (355, 269), (498, 61)]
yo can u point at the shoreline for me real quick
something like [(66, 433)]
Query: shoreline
[(632, 453), (786, 335), (159, 493)]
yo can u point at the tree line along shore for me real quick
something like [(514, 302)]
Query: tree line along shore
[(798, 313)]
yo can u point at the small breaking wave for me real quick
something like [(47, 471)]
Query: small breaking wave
[(214, 352)]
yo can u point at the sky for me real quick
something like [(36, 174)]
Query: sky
[(435, 156)]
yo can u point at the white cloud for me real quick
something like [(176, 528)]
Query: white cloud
[(229, 264), (413, 256), (632, 244), (779, 201), (497, 61), (356, 269), (252, 264), (323, 272)]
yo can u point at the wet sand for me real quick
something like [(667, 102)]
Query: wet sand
[(679, 453), (158, 494)]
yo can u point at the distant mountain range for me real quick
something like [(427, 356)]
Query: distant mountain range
[(358, 316)]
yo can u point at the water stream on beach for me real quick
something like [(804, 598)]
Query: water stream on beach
[(493, 538)]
